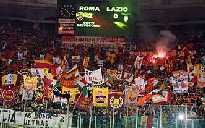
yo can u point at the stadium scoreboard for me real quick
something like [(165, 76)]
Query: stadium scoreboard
[(95, 17)]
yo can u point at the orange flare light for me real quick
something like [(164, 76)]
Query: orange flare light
[(161, 53)]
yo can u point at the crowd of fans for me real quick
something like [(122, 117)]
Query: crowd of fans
[(21, 48)]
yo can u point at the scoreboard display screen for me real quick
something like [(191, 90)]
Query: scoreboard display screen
[(99, 17)]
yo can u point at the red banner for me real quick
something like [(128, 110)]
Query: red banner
[(8, 95)]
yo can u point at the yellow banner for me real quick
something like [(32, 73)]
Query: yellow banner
[(72, 92), (30, 82), (100, 97), (9, 79)]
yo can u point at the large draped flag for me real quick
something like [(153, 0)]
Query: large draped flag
[(67, 83), (156, 96), (100, 97), (197, 69), (9, 79)]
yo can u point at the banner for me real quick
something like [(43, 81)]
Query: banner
[(131, 94), (140, 83), (8, 95), (97, 76), (60, 99), (66, 40), (30, 82), (9, 79), (180, 81), (71, 91), (67, 83), (43, 62), (44, 120), (111, 75), (84, 103), (100, 97), (32, 119), (94, 77), (116, 99), (11, 117)]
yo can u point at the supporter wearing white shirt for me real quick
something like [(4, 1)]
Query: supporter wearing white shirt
[(20, 55), (56, 60), (138, 62)]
